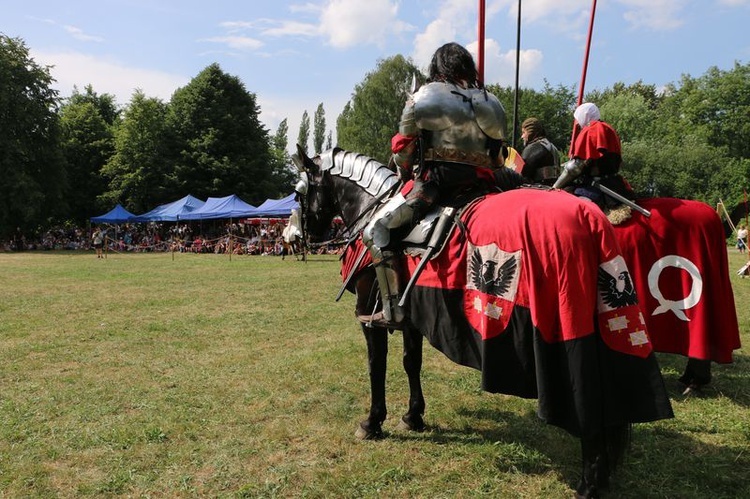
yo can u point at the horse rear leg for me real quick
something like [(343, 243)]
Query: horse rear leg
[(413, 419), (377, 355), (697, 374), (601, 455)]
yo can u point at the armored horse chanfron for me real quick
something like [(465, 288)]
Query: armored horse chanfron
[(531, 291)]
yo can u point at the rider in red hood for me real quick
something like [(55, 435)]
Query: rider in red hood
[(596, 155)]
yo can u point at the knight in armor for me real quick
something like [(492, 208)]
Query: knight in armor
[(450, 140), (541, 157), (596, 155)]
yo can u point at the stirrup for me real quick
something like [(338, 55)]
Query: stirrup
[(378, 320)]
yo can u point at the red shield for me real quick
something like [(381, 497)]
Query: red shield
[(621, 322), (492, 277)]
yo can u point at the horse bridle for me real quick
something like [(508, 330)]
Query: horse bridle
[(302, 190)]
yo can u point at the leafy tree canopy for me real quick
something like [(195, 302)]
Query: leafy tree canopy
[(87, 144), (319, 129), (32, 173), (139, 172), (221, 146), (372, 115), (303, 138)]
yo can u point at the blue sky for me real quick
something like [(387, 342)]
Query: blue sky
[(295, 54)]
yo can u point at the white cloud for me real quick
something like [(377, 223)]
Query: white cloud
[(78, 34), (650, 14), (74, 31), (106, 76), (235, 42), (500, 66), (455, 21), (559, 11), (234, 26), (272, 27), (568, 16), (346, 23), (291, 28), (437, 33), (305, 8), (342, 23)]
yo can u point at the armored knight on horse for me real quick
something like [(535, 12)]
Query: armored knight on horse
[(450, 139), (531, 289)]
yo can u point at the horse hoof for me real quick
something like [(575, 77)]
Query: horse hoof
[(586, 491), (363, 433), (404, 425), (692, 389)]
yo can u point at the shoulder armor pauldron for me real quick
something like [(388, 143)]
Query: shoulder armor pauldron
[(489, 113), (438, 106)]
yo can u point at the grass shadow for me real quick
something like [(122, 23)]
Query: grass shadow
[(526, 445)]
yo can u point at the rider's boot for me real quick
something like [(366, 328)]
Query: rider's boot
[(395, 213)]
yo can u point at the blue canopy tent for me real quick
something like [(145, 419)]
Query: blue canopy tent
[(116, 215), (171, 212), (226, 207), (277, 207)]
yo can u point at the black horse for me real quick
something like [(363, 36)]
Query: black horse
[(531, 291)]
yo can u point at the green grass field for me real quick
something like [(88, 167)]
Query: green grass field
[(144, 375)]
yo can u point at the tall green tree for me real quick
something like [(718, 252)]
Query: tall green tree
[(553, 106), (88, 124), (718, 102), (283, 166), (669, 140), (630, 115), (280, 140), (139, 174), (221, 145), (372, 115), (303, 138), (32, 172), (319, 129), (105, 104)]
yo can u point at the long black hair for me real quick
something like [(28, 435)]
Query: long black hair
[(452, 63)]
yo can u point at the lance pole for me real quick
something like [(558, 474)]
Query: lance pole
[(480, 43), (583, 73), (518, 65)]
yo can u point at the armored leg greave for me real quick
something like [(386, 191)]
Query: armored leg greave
[(389, 281), (395, 213)]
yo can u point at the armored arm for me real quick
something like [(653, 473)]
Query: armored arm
[(403, 144), (571, 170)]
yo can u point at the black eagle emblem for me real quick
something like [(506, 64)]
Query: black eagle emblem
[(487, 278), (617, 291)]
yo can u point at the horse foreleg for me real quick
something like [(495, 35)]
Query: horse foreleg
[(377, 355), (413, 420)]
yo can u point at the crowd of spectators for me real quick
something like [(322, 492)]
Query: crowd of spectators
[(251, 237)]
